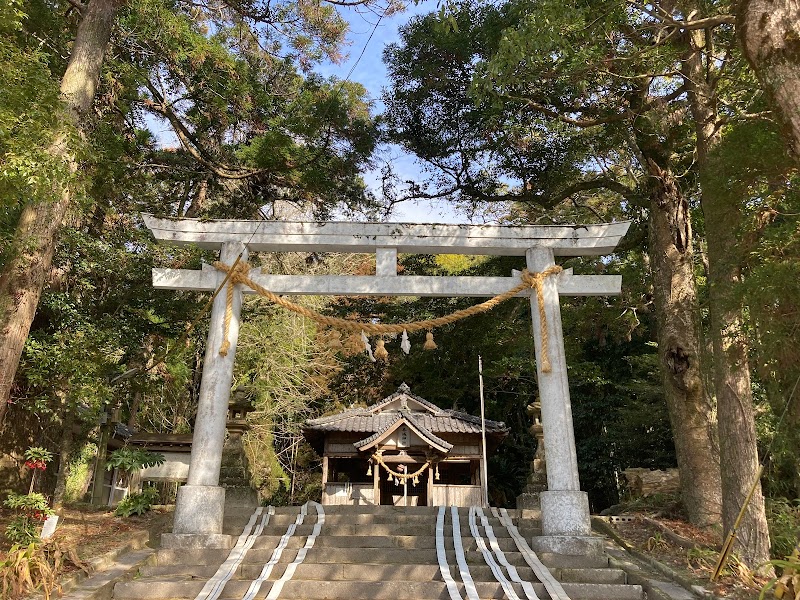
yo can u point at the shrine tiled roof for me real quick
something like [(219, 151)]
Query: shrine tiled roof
[(358, 422), (379, 417)]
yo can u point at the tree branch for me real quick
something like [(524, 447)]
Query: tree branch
[(77, 5), (666, 19)]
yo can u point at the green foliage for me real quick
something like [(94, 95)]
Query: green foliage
[(38, 454), (30, 119), (34, 509), (80, 473), (22, 529), (284, 366), (787, 585), (28, 502), (784, 526), (137, 503), (129, 459)]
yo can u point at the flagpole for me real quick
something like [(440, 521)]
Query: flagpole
[(484, 474)]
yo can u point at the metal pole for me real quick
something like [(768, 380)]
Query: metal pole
[(484, 474)]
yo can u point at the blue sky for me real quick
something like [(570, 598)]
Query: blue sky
[(371, 73)]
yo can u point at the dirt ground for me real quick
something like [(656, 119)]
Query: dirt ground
[(696, 564), (94, 532)]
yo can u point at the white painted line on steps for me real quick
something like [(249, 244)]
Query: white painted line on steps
[(551, 584), (441, 556), (301, 555), (489, 559), (458, 546), (214, 586), (276, 555), (530, 593)]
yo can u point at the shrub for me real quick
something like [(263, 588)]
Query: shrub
[(788, 584), (34, 509), (35, 566), (37, 458), (784, 525), (129, 460), (137, 503)]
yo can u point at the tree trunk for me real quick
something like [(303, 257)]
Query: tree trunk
[(67, 439), (735, 416), (768, 32), (738, 442), (25, 273), (679, 348)]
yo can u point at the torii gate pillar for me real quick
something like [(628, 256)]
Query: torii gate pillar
[(200, 504), (566, 527)]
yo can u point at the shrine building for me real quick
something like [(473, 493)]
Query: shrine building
[(402, 451)]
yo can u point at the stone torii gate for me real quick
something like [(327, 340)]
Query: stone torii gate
[(565, 508)]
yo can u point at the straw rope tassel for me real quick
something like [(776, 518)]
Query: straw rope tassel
[(537, 283), (380, 351), (241, 268), (241, 274)]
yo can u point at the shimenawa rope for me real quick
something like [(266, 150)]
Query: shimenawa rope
[(241, 274), (402, 476)]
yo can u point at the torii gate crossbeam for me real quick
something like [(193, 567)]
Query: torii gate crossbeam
[(565, 509)]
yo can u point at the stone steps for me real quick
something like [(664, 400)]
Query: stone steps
[(410, 542), (391, 556), (364, 590), (368, 553), (378, 529), (376, 572)]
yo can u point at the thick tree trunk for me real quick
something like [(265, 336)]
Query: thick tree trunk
[(25, 273), (769, 32), (735, 416), (738, 442), (679, 348)]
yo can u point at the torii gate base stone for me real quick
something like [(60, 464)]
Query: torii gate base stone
[(200, 503)]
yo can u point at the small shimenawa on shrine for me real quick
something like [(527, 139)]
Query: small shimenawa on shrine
[(402, 451)]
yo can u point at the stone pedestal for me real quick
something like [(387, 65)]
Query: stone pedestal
[(199, 509), (566, 528), (565, 513), (196, 541), (570, 545)]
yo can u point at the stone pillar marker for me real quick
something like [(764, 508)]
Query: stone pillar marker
[(528, 500), (566, 527), (200, 504)]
